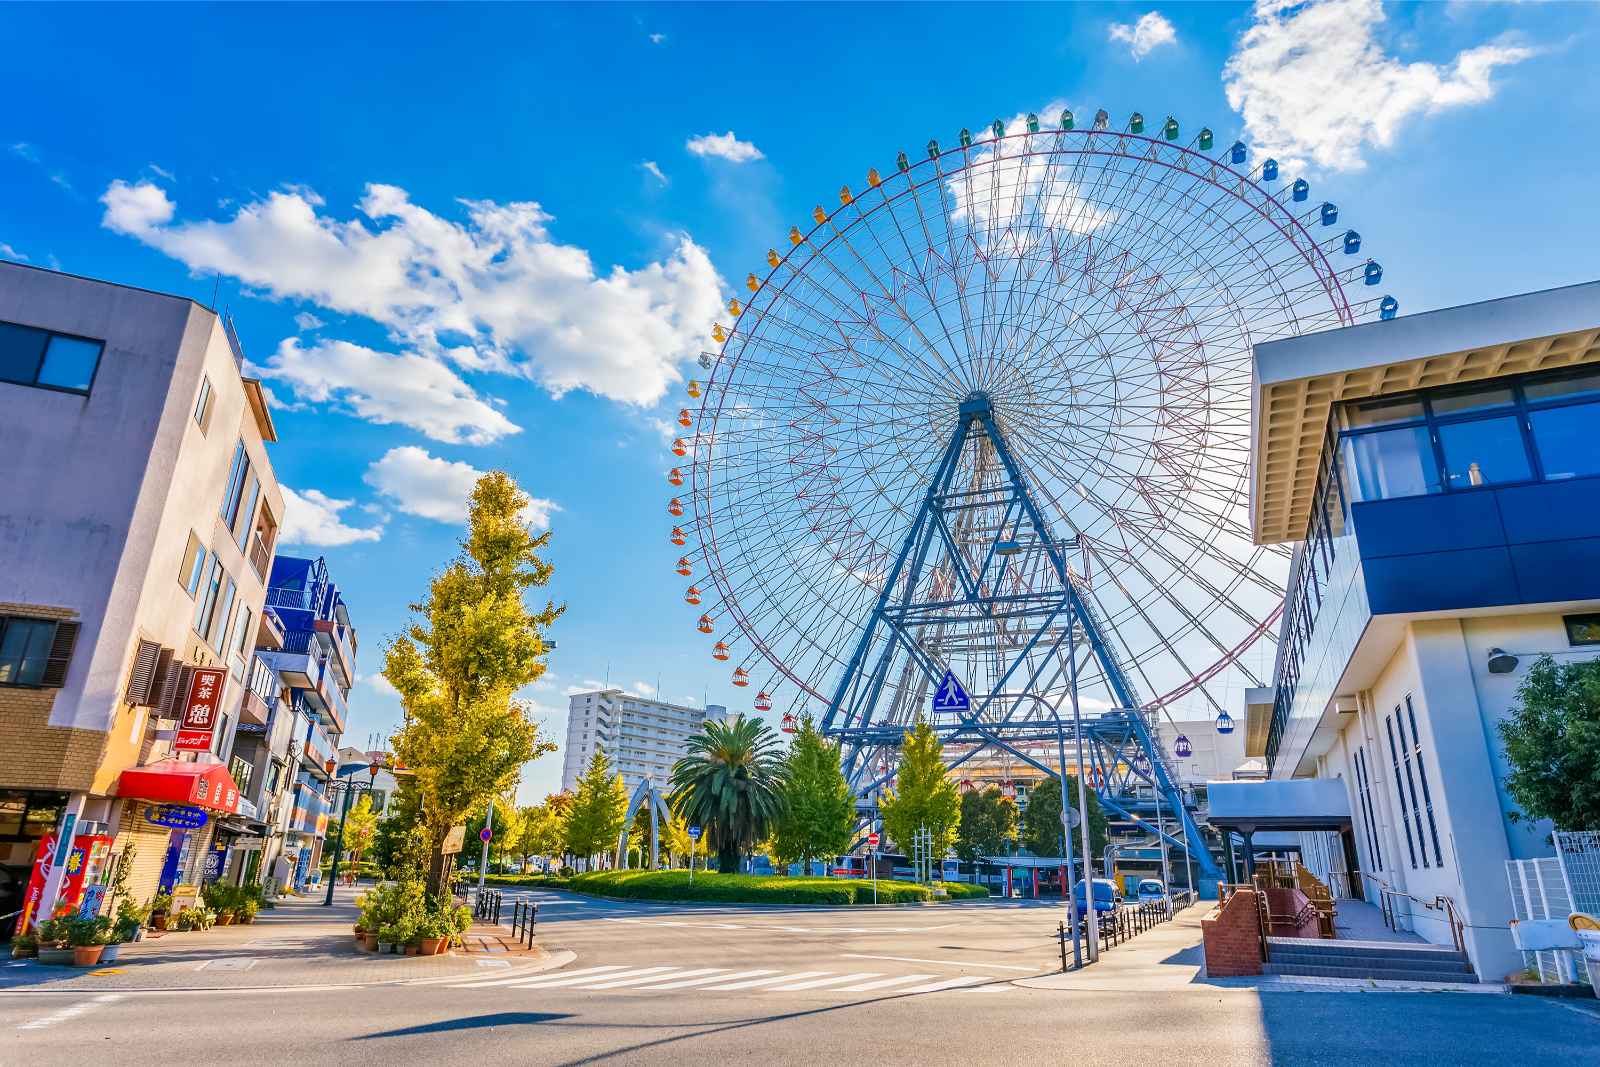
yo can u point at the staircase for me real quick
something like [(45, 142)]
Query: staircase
[(1384, 961)]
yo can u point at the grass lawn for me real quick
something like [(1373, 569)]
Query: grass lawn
[(740, 888)]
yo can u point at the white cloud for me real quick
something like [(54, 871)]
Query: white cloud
[(658, 38), (11, 253), (161, 172), (1143, 37), (307, 321), (724, 146), (312, 518), (25, 151), (434, 488), (381, 684), (406, 388), (493, 292), (653, 169), (642, 689), (1313, 83)]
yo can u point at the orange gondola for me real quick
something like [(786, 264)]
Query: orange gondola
[(788, 726), (680, 447), (675, 506), (719, 650), (741, 677), (705, 625), (684, 418), (685, 568), (764, 702), (677, 537), (692, 595), (675, 477)]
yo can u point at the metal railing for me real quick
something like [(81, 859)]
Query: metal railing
[(487, 906), (260, 556), (1116, 927), (524, 917)]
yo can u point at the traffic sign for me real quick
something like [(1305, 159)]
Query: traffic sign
[(485, 834), (694, 833), (1070, 818), (950, 696), (872, 840)]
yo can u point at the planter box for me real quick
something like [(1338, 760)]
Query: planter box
[(57, 957), (87, 955), (225, 918), (109, 953), (432, 946)]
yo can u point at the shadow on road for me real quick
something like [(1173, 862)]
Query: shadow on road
[(474, 1022)]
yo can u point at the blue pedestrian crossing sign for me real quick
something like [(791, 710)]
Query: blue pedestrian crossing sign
[(950, 696), (694, 833)]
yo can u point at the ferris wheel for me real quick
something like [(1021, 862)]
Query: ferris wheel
[(1102, 288)]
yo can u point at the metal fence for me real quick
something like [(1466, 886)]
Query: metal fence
[(1555, 887)]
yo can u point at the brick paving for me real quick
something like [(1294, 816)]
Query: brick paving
[(298, 943)]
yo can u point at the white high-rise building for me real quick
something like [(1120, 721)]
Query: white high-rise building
[(642, 737)]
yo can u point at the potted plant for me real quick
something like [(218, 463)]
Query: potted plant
[(53, 946), (131, 918), (24, 946), (248, 903), (88, 940), (387, 936), (434, 932), (160, 908)]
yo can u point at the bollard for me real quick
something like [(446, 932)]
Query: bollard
[(530, 920)]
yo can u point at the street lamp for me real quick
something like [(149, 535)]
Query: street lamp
[(350, 789)]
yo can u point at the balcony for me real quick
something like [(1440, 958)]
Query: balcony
[(301, 661), (261, 693), (337, 639), (318, 750)]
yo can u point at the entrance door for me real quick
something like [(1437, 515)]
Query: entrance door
[(173, 862)]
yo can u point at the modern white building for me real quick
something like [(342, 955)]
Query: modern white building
[(643, 738), (1440, 476)]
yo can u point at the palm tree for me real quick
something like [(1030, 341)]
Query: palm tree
[(731, 784)]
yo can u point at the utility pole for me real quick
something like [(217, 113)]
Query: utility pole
[(1161, 841), (483, 856), (1083, 794)]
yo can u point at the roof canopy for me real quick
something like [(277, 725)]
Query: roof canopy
[(206, 785), (1298, 380), (1280, 804)]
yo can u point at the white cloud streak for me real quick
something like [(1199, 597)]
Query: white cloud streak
[(1150, 32), (723, 146), (433, 488), (1314, 84), (313, 518)]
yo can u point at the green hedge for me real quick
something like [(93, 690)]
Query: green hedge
[(738, 888)]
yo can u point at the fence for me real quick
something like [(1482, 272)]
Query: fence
[(1555, 887), (1117, 926)]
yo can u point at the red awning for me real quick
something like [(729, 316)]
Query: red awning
[(208, 785)]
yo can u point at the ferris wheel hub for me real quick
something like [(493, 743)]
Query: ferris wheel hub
[(976, 405)]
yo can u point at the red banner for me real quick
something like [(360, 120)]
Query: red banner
[(200, 709)]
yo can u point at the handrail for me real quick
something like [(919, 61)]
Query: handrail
[(1387, 894)]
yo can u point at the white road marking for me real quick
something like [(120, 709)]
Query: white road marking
[(71, 1011), (577, 979), (723, 977), (481, 983), (818, 983), (948, 983), (765, 981), (951, 963), (721, 971), (648, 974), (884, 983)]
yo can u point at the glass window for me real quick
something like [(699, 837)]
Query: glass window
[(194, 565), (242, 525), (230, 500), (69, 363), (202, 406), (1450, 403), (44, 813), (24, 648), (1566, 440), (1484, 452), (13, 805), (1582, 629), (208, 598), (219, 621), (21, 352), (1572, 385), (1390, 463), (1382, 412)]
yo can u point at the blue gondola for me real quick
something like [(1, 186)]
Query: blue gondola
[(1388, 307), (1373, 274), (1224, 723), (1181, 747), (1236, 154), (1269, 170), (1302, 188), (1352, 242), (1330, 213)]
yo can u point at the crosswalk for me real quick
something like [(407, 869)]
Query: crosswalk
[(662, 978)]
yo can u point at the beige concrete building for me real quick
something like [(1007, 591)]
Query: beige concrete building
[(136, 539)]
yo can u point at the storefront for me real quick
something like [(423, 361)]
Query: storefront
[(27, 816), (170, 820)]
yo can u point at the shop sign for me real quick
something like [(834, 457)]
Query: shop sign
[(454, 840), (176, 816), (200, 709)]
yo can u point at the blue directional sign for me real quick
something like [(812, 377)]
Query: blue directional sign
[(950, 696), (694, 833)]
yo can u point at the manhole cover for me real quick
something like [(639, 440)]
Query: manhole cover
[(231, 963)]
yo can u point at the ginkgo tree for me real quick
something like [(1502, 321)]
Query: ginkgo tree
[(473, 644), (819, 814), (923, 796)]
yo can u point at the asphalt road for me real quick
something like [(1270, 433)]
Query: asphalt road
[(653, 984)]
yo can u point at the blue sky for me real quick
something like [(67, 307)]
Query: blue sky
[(438, 233)]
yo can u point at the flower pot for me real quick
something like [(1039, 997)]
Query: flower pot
[(224, 918), (109, 953), (411, 950), (86, 955), (24, 952), (246, 917), (158, 920), (58, 957), (385, 947), (432, 946), (369, 941)]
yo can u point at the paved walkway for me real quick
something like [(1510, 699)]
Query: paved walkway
[(297, 944)]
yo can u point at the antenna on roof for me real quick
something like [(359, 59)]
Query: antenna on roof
[(215, 286)]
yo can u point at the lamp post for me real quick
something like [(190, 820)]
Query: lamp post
[(350, 789)]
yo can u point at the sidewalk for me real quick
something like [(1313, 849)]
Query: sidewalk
[(299, 943)]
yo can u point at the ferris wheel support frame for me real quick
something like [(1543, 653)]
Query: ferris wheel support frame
[(1124, 752)]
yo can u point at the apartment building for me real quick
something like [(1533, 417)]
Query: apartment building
[(643, 738), (1439, 476), (136, 538)]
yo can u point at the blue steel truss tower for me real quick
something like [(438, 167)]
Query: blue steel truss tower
[(983, 590)]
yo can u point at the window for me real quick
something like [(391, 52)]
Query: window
[(1582, 629), (217, 634), (202, 405), (206, 603), (194, 565), (1566, 442), (1484, 452), (1407, 751), (1394, 756), (241, 640), (247, 513), (240, 770), (1422, 776), (1391, 463), (24, 650), (236, 479), (55, 361), (1364, 785)]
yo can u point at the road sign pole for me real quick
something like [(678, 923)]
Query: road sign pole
[(483, 856)]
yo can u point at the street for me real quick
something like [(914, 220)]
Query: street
[(645, 983)]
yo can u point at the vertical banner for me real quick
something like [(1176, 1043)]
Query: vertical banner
[(200, 709)]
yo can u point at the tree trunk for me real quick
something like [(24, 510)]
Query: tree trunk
[(436, 860), (728, 859)]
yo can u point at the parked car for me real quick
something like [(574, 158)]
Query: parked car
[(1151, 890), (1106, 897)]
